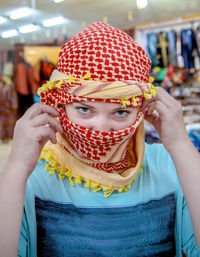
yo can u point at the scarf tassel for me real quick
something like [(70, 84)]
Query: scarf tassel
[(94, 186)]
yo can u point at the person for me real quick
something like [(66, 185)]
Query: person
[(97, 189), (23, 85)]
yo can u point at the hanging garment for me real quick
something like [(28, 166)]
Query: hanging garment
[(171, 38), (8, 109), (46, 69), (22, 85), (198, 37), (21, 78), (34, 79), (188, 45), (152, 40), (162, 50)]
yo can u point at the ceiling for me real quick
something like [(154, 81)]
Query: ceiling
[(83, 12)]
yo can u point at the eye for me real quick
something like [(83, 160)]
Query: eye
[(83, 110), (121, 113)]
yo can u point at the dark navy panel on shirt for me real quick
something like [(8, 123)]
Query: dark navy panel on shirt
[(146, 229)]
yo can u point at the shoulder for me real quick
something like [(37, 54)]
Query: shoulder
[(156, 150), (157, 155), (40, 181), (159, 164)]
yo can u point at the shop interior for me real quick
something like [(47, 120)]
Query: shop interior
[(32, 33)]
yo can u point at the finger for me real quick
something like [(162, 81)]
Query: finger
[(147, 102), (37, 109), (44, 140), (161, 108), (48, 133), (44, 119), (151, 108), (162, 96), (165, 98), (156, 109), (150, 118)]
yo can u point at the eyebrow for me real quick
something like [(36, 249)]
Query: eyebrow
[(89, 106), (86, 105)]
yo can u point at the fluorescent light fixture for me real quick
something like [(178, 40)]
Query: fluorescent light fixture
[(54, 21), (20, 13), (9, 33), (28, 28), (58, 1), (141, 3), (3, 20)]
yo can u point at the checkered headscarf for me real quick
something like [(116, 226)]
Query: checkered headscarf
[(104, 64)]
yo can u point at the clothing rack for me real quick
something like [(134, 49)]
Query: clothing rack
[(172, 23)]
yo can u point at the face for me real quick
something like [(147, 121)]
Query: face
[(101, 116)]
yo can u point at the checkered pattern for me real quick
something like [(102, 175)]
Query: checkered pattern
[(95, 145), (105, 53)]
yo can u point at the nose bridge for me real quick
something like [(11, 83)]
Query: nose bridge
[(101, 123)]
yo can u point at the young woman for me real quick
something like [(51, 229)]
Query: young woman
[(97, 189)]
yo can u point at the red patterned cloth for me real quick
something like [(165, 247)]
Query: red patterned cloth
[(106, 53), (117, 67), (101, 63), (103, 147)]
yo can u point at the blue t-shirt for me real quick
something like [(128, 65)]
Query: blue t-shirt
[(151, 219)]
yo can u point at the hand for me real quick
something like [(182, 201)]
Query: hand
[(168, 121), (32, 131)]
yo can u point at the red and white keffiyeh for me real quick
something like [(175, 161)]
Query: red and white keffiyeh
[(101, 64)]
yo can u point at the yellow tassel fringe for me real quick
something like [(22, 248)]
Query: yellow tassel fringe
[(86, 76), (124, 102), (153, 90), (147, 96), (50, 85), (72, 79), (57, 84), (151, 79), (135, 100), (64, 173)]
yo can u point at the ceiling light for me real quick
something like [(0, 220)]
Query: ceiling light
[(9, 33), (20, 13), (58, 1), (141, 3), (3, 20), (54, 21), (28, 28)]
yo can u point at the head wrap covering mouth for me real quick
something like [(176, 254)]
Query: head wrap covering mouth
[(100, 64)]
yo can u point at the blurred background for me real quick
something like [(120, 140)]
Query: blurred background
[(32, 33)]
